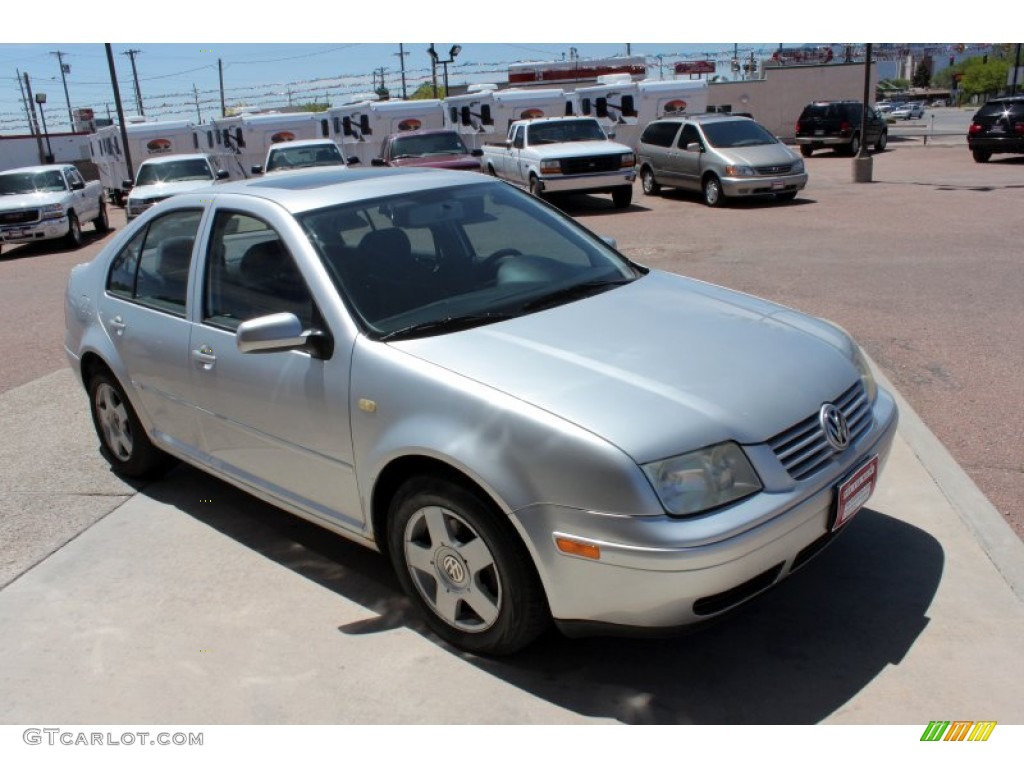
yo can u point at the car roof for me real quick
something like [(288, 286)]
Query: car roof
[(171, 158), (423, 132), (38, 168), (313, 188), (302, 143), (704, 118)]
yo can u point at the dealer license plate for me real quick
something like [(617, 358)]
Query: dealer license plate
[(820, 132), (853, 493), (13, 233)]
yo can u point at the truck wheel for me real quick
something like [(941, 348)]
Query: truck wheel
[(73, 239), (101, 222), (535, 189), (622, 196), (648, 183)]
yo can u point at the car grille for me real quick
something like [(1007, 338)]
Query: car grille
[(774, 170), (26, 216), (598, 164), (803, 449)]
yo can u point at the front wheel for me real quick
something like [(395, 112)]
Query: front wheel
[(622, 196), (465, 566), (535, 188), (713, 195), (73, 239), (806, 150), (123, 440)]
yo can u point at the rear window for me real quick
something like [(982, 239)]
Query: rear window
[(660, 134), (999, 108)]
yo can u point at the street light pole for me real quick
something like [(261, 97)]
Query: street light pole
[(41, 101), (454, 51)]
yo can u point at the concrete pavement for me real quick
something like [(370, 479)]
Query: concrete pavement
[(191, 602)]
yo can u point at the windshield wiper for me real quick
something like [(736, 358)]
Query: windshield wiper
[(574, 292), (445, 325)]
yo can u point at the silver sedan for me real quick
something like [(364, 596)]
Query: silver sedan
[(533, 428)]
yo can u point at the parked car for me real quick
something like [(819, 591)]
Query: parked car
[(304, 153), (911, 111), (435, 364), (162, 177), (997, 128), (428, 148), (722, 156), (837, 125)]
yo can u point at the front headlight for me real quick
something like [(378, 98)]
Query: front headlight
[(628, 160), (798, 166), (867, 378), (550, 166), (739, 170), (55, 211), (702, 480)]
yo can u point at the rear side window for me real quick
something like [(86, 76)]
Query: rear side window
[(660, 134)]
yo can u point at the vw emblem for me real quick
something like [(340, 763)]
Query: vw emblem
[(834, 425), (453, 568)]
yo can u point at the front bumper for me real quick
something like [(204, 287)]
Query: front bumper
[(596, 182), (50, 229), (658, 573), (750, 186)]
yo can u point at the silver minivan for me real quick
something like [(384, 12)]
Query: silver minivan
[(721, 156)]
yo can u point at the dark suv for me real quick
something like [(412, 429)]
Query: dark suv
[(836, 124), (997, 127)]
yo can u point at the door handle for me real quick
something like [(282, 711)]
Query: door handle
[(205, 357), (118, 325)]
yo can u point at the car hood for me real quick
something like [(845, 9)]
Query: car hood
[(31, 200), (168, 189), (578, 149), (762, 154), (451, 162), (660, 366)]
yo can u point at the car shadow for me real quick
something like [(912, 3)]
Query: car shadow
[(15, 251), (794, 655)]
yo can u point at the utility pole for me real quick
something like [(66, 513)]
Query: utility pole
[(33, 123), (120, 111), (433, 68), (131, 54), (220, 71), (401, 57), (65, 69), (195, 92)]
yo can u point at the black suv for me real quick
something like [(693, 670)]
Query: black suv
[(836, 124), (997, 127)]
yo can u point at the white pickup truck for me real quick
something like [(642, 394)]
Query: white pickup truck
[(563, 154), (49, 202)]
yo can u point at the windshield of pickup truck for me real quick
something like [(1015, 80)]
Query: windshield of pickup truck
[(304, 157), (447, 143), (737, 133), (568, 130), (454, 257), (27, 183), (178, 170)]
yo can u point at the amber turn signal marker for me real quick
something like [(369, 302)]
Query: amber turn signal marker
[(578, 548)]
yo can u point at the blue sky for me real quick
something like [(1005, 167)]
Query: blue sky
[(173, 76)]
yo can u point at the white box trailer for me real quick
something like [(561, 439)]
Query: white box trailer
[(146, 139), (360, 128), (242, 141), (624, 107), (484, 116)]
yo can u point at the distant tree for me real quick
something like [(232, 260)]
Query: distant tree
[(314, 106), (922, 75), (426, 91)]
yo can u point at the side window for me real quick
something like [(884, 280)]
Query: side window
[(153, 267), (250, 273), (688, 135), (659, 134)]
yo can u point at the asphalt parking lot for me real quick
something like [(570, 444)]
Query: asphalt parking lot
[(187, 601)]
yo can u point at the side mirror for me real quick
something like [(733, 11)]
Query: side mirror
[(256, 170), (477, 153), (352, 160), (127, 184), (694, 146), (279, 333), (76, 185), (222, 175), (379, 162)]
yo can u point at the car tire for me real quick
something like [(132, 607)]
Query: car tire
[(101, 222), (648, 183), (123, 440), (491, 171), (883, 140), (464, 565), (853, 148), (73, 239), (981, 155), (535, 188), (806, 150), (622, 196), (713, 195)]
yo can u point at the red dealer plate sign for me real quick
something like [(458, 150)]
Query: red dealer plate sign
[(854, 492)]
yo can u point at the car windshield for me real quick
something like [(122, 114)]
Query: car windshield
[(176, 170), (737, 133), (25, 183), (428, 144), (566, 130), (425, 263), (304, 157)]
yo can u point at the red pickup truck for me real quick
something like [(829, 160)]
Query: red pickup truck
[(428, 148)]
